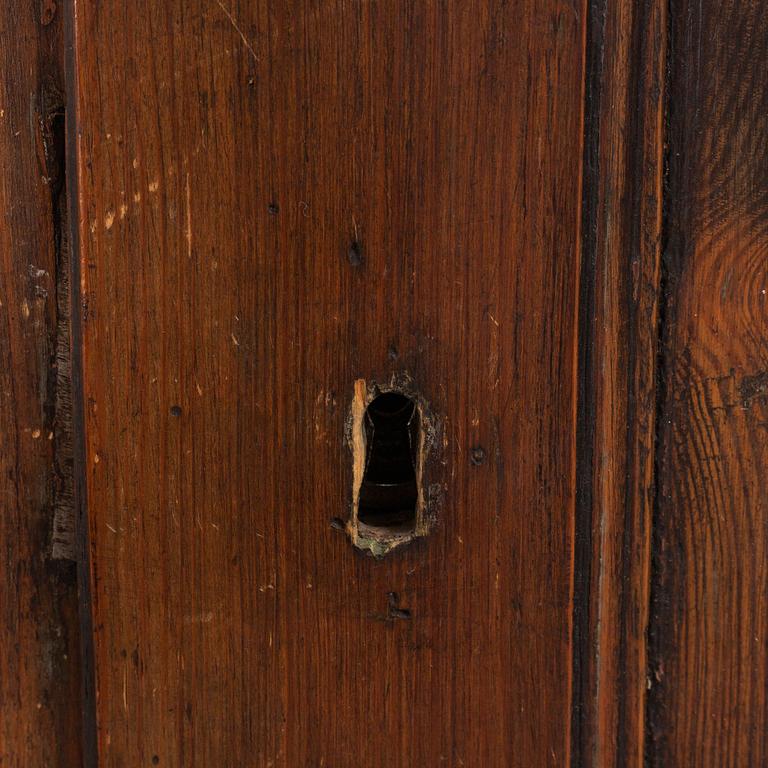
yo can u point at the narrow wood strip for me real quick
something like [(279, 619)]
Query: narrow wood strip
[(620, 294)]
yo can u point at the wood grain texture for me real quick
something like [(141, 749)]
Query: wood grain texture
[(708, 701), (39, 645), (619, 330), (230, 155)]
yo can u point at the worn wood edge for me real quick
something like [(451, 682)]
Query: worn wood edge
[(39, 672), (619, 346)]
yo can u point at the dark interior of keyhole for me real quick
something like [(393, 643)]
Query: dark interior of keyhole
[(389, 491)]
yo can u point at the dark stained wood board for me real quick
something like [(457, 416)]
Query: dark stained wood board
[(229, 156), (709, 628), (40, 681)]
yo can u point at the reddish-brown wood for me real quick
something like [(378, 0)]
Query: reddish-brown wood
[(278, 199), (39, 646), (620, 291), (278, 208), (708, 701)]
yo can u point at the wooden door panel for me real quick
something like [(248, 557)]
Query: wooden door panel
[(275, 201), (540, 223)]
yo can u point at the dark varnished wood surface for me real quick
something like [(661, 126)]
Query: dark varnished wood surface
[(709, 627), (229, 156), (39, 646)]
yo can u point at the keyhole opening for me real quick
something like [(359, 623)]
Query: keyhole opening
[(389, 492)]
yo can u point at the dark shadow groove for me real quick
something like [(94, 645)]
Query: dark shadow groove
[(586, 395), (90, 745), (653, 653)]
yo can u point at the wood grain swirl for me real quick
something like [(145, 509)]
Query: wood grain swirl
[(709, 630)]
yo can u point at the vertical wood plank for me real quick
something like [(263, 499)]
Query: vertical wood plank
[(619, 330), (708, 703), (231, 157), (39, 640)]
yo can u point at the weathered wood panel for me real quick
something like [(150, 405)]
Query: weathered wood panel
[(39, 639), (710, 615), (276, 200)]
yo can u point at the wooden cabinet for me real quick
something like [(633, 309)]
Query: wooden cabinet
[(383, 383)]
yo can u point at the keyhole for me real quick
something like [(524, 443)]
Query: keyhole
[(389, 491)]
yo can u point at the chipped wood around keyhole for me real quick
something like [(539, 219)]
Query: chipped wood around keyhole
[(381, 540)]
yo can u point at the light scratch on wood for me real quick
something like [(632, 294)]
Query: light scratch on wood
[(189, 222), (239, 31)]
